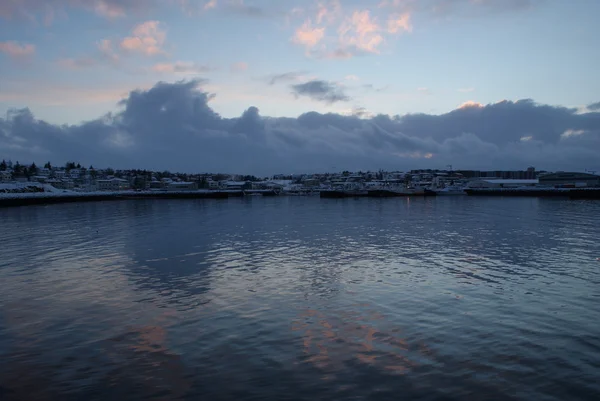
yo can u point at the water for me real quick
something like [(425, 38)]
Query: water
[(297, 298)]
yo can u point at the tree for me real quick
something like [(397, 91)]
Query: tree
[(109, 171), (48, 166), (17, 168), (93, 173), (3, 165), (78, 165), (33, 169)]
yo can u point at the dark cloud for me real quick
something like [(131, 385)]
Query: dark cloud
[(171, 126), (594, 106), (323, 91)]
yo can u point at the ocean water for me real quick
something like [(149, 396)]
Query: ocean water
[(294, 298)]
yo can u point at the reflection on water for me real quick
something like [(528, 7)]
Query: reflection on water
[(301, 298)]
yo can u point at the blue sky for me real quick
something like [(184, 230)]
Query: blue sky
[(443, 53)]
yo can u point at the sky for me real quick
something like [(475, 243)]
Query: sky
[(269, 86)]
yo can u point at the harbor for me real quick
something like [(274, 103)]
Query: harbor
[(75, 184)]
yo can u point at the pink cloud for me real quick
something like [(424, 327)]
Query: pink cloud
[(211, 4), (308, 36), (17, 50), (361, 31), (398, 23), (147, 38), (328, 12), (470, 104)]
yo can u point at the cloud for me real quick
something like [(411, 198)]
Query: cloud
[(210, 4), (285, 77), (308, 36), (171, 126), (17, 50), (399, 23), (361, 32), (594, 106), (147, 38), (319, 90), (335, 33), (470, 104), (239, 67), (180, 67)]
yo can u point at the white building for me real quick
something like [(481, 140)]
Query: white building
[(5, 176)]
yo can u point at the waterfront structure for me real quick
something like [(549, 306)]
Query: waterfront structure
[(500, 183), (182, 186), (570, 179)]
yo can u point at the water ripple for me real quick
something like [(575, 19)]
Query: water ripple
[(301, 298)]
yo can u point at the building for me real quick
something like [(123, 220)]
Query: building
[(5, 176), (182, 186), (112, 184), (566, 179), (75, 173), (499, 183), (528, 174)]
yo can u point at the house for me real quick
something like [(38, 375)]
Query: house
[(112, 184), (5, 176), (75, 173), (60, 174), (61, 184)]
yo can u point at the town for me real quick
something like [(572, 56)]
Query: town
[(73, 177)]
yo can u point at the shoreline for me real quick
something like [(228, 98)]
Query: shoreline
[(44, 198)]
